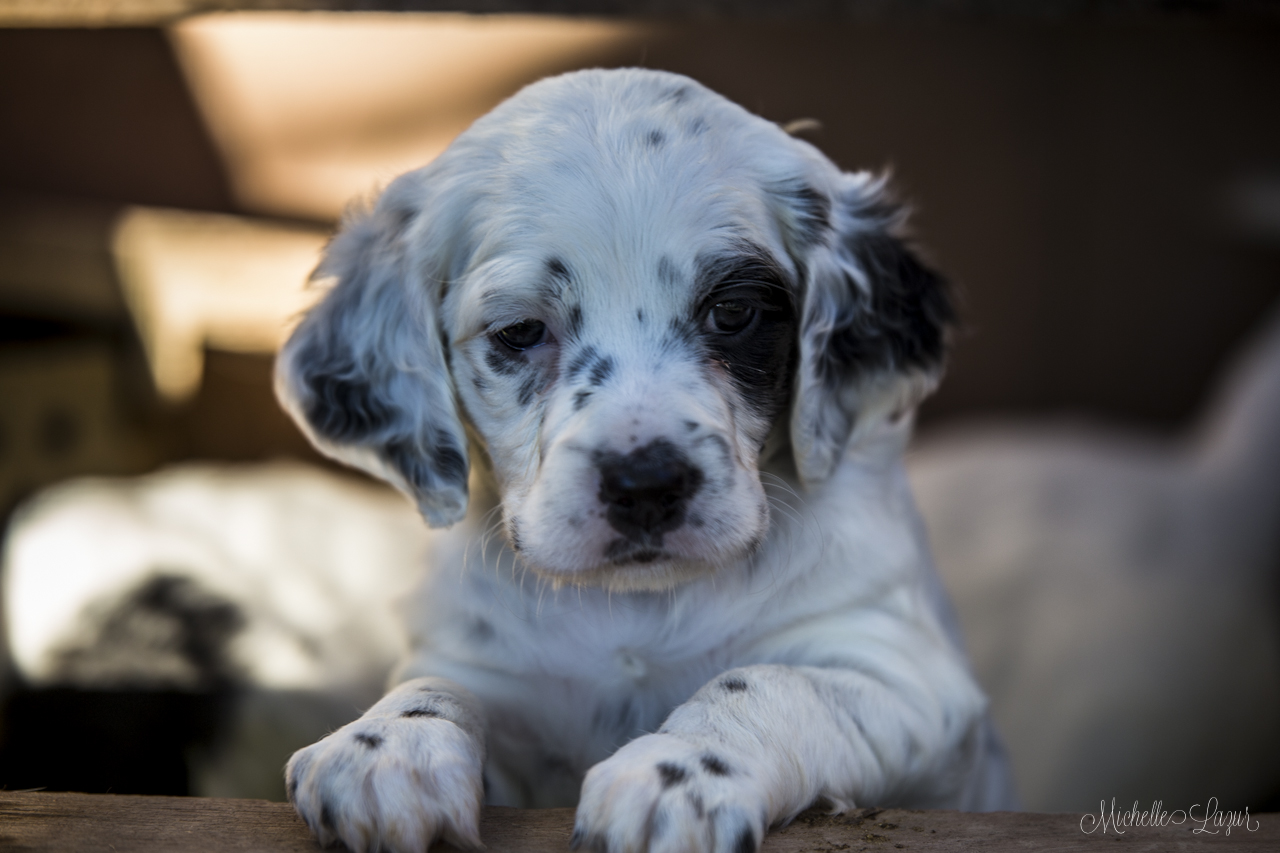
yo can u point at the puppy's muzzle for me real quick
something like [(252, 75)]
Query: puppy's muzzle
[(646, 491)]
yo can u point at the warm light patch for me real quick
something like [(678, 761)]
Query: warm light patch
[(196, 280), (311, 110)]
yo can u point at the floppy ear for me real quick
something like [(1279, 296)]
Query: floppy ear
[(365, 373), (872, 330)]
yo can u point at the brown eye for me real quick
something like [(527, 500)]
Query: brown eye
[(731, 316), (526, 334)]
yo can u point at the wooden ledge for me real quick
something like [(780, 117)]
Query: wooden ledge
[(31, 822)]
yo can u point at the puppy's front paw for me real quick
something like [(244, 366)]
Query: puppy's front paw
[(390, 783), (662, 794)]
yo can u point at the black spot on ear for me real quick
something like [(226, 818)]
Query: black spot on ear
[(656, 139), (901, 325), (600, 371), (370, 741), (672, 774), (527, 390), (574, 324), (421, 712), (734, 684), (424, 467), (714, 765), (341, 407), (580, 399), (810, 210), (746, 842)]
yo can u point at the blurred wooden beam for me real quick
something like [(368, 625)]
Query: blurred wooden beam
[(38, 822), (132, 13)]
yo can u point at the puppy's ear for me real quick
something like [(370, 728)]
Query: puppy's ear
[(365, 374), (872, 330)]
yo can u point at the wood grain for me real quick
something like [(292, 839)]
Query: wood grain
[(31, 822)]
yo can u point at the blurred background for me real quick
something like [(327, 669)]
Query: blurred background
[(1099, 470)]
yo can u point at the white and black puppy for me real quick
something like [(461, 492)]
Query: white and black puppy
[(686, 587)]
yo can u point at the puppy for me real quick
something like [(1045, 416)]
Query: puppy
[(654, 362)]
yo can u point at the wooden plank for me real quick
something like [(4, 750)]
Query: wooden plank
[(37, 822)]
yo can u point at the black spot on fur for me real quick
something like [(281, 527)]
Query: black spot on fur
[(580, 399), (672, 774), (557, 269), (668, 272), (344, 409), (293, 789), (504, 360), (656, 139), (600, 371), (421, 712), (580, 361), (574, 324), (167, 632), (902, 325), (760, 357), (734, 684), (714, 765), (678, 94), (698, 126), (691, 425), (746, 842), (695, 800), (326, 817), (370, 741), (527, 390), (810, 209), (481, 631), (640, 315)]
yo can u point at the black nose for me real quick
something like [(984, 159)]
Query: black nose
[(647, 489)]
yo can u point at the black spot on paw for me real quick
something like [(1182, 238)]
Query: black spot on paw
[(734, 684), (421, 712), (714, 765), (370, 741), (672, 774)]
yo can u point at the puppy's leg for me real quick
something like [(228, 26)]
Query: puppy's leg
[(407, 772), (759, 744)]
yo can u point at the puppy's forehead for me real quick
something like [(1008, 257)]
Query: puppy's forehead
[(625, 193)]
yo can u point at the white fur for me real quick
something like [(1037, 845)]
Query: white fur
[(793, 637)]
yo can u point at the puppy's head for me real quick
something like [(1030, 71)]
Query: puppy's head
[(626, 287)]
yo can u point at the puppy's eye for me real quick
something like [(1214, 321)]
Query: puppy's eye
[(730, 316), (526, 334)]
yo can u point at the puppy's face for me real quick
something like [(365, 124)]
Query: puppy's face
[(627, 283)]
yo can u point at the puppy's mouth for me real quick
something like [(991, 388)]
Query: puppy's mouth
[(622, 551)]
